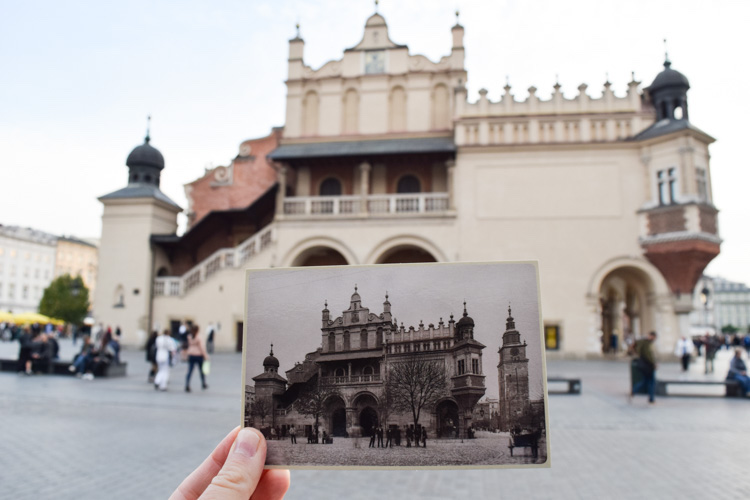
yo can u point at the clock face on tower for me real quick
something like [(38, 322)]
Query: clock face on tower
[(514, 352), (374, 62)]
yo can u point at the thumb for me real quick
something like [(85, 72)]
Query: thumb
[(241, 472)]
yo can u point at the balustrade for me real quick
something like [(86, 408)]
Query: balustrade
[(381, 204)]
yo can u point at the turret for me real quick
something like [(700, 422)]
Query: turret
[(386, 309), (296, 56), (669, 93), (326, 315)]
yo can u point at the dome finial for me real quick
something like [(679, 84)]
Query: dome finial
[(148, 130), (297, 27), (457, 14), (355, 287), (667, 62), (271, 354), (376, 5), (465, 313)]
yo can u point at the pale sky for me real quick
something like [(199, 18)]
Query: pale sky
[(77, 80), (285, 307)]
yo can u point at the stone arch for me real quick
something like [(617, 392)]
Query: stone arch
[(409, 183), (328, 186), (335, 423), (447, 419), (397, 109), (310, 113), (350, 109), (624, 292), (299, 252), (365, 405), (440, 107), (387, 247), (360, 398)]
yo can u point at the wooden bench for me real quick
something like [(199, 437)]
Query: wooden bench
[(525, 441), (58, 367), (574, 385), (732, 387)]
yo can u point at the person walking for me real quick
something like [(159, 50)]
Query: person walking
[(647, 366), (388, 438), (712, 345), (151, 355), (373, 433), (682, 350), (166, 350), (380, 436), (409, 436), (293, 434), (196, 355)]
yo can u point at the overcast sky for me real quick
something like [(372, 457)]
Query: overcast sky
[(285, 307), (77, 80)]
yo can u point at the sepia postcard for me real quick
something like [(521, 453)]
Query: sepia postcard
[(397, 366)]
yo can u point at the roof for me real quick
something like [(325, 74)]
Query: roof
[(71, 239), (664, 127), (360, 148), (669, 78), (145, 155), (28, 234), (269, 376), (140, 190), (343, 356)]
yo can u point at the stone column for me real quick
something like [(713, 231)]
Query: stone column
[(451, 166), (364, 185), (281, 176)]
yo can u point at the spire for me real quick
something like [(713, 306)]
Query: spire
[(667, 62), (297, 27), (376, 6), (510, 324), (457, 14), (465, 313), (271, 353), (148, 130)]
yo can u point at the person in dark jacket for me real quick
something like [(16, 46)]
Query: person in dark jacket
[(151, 355), (647, 366), (380, 436), (24, 352), (738, 372)]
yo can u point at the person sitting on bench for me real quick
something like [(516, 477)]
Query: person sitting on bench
[(738, 372)]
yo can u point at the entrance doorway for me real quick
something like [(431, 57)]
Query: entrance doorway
[(447, 419), (368, 420), (338, 422), (626, 309)]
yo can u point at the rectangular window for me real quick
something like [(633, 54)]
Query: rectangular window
[(552, 337), (461, 367), (475, 366), (12, 291), (667, 186), (702, 185), (25, 292)]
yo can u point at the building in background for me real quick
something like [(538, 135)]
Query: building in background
[(27, 266), (720, 304), (77, 257), (385, 158)]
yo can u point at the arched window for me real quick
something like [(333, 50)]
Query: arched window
[(340, 372), (346, 340), (163, 271), (351, 112), (363, 339), (368, 370), (440, 107), (330, 187), (331, 342), (397, 111), (408, 184), (310, 107)]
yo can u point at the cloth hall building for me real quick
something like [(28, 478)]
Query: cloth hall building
[(384, 157)]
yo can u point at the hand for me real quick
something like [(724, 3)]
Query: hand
[(234, 471)]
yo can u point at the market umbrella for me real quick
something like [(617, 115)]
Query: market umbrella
[(29, 318)]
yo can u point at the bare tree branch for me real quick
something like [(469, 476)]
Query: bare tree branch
[(415, 384)]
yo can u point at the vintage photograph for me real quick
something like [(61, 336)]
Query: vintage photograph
[(418, 365)]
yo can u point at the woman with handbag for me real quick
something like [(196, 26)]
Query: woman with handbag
[(196, 354), (166, 350)]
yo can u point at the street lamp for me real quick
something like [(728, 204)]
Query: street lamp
[(705, 292)]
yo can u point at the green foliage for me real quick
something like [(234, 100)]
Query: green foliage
[(730, 329), (66, 298)]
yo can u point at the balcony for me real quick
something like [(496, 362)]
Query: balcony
[(354, 379), (385, 205)]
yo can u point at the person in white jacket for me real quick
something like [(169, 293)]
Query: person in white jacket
[(166, 350), (683, 350)]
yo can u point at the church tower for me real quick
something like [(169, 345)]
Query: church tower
[(269, 386), (513, 376), (127, 261)]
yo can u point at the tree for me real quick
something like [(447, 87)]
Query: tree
[(66, 298), (415, 384), (730, 329), (313, 399), (260, 408)]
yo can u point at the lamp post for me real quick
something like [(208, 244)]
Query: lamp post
[(705, 293)]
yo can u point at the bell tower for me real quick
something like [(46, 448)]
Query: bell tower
[(513, 376)]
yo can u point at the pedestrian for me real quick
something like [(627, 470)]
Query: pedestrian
[(373, 433), (25, 344), (746, 342), (712, 345), (151, 355), (646, 364), (210, 339), (380, 436), (409, 436), (424, 437), (682, 350), (196, 355), (738, 372), (293, 434), (166, 351), (388, 438)]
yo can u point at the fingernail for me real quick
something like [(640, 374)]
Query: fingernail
[(247, 443)]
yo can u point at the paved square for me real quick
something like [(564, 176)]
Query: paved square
[(64, 437)]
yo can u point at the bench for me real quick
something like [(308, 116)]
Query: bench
[(574, 385), (58, 367), (732, 387), (525, 441)]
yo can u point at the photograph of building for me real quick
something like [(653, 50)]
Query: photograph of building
[(373, 377), (386, 158)]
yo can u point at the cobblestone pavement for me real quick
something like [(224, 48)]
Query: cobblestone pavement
[(487, 449), (64, 437)]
